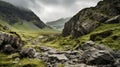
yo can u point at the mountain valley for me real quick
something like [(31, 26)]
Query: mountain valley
[(91, 38)]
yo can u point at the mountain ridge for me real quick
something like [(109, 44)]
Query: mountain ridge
[(17, 16), (81, 23)]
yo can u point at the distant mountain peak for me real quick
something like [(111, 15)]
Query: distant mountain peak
[(14, 15), (58, 24)]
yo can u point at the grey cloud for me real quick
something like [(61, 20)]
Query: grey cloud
[(49, 10)]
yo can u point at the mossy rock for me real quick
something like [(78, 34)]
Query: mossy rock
[(101, 35)]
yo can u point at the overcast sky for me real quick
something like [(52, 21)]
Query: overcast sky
[(49, 10)]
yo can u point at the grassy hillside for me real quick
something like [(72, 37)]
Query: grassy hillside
[(100, 34), (8, 61), (20, 19)]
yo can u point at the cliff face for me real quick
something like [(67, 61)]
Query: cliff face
[(12, 15), (89, 19)]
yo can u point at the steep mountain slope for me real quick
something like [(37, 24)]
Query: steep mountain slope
[(19, 18), (89, 19), (100, 24), (58, 24)]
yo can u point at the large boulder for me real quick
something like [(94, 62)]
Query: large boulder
[(94, 56), (27, 52), (13, 40)]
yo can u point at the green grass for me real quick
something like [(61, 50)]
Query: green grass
[(31, 62), (61, 42), (7, 61)]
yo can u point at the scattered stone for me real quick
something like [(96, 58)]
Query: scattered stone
[(28, 52), (87, 45), (44, 49), (16, 60), (103, 47), (117, 54), (40, 37), (79, 65), (5, 28), (59, 57)]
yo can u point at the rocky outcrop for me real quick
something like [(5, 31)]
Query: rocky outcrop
[(10, 42), (89, 19)]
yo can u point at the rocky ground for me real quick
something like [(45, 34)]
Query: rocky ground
[(87, 55), (100, 24)]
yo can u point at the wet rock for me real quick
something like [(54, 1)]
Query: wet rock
[(28, 52)]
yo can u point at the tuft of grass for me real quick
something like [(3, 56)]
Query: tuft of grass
[(7, 61), (30, 62)]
